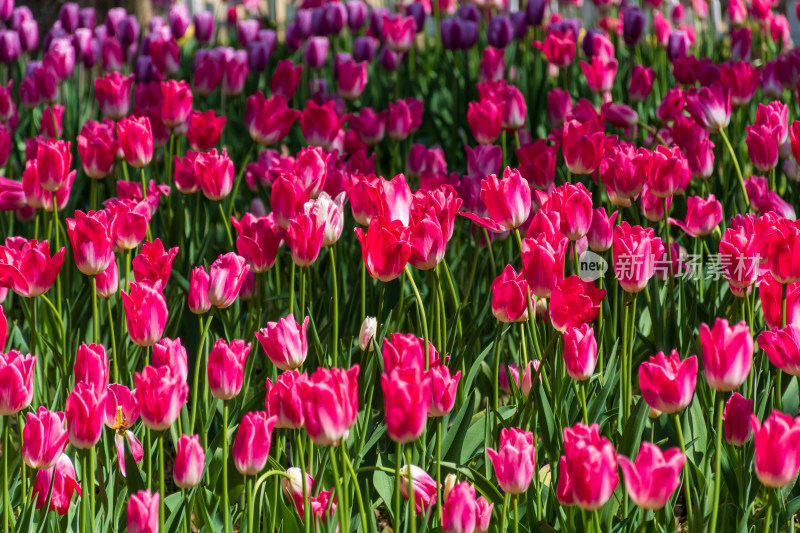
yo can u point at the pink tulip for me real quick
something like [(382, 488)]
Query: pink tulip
[(710, 106), (84, 415), (90, 235), (703, 215), (485, 120), (27, 268), (331, 404), (153, 263), (776, 443), (204, 130), (537, 164), (634, 252), (285, 342), (514, 461), (91, 366), (737, 415), (283, 400), (407, 351), (727, 354), (407, 396), (459, 512), (351, 78), (543, 263), (559, 107), (113, 94), (493, 64), (143, 512), (668, 383), (145, 313), (669, 172), (268, 120), (214, 174), (258, 241), (3, 328), (654, 476), (580, 352), (782, 347), (385, 247), (172, 354), (369, 125), (330, 215), (177, 102), (574, 302), (251, 445), (508, 202), (226, 364), (587, 472), (585, 145), (53, 160), (226, 276), (510, 296), (405, 117), (121, 409), (304, 239), (289, 195), (44, 438), (57, 491), (558, 47), (483, 515), (424, 488), (601, 230), (198, 291), (189, 462), (16, 381), (160, 395), (574, 203), (641, 83), (600, 74), (128, 221), (399, 33), (136, 138), (444, 388), (321, 124)]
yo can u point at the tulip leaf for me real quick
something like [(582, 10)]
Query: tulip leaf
[(458, 428), (482, 485), (133, 476), (632, 434)]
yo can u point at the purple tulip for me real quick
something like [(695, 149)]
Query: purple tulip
[(499, 31)]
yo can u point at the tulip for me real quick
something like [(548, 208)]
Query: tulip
[(668, 383), (370, 126), (44, 438), (321, 124), (208, 65), (634, 252), (293, 487), (84, 414), (153, 263), (285, 342), (53, 159), (385, 247), (399, 33), (27, 267), (654, 476), (234, 73), (510, 296), (367, 333), (226, 276), (113, 94), (407, 395), (258, 241), (189, 462), (285, 78), (121, 409), (508, 202), (351, 78), (214, 173), (177, 102), (56, 485), (543, 264), (305, 239), (226, 364), (91, 366), (459, 512), (776, 442), (702, 216), (443, 390), (136, 137), (779, 244), (251, 445), (741, 79), (3, 329), (405, 117), (588, 468), (204, 26), (145, 313), (204, 129), (160, 395), (97, 148), (493, 64), (710, 106), (407, 351), (427, 241), (172, 354), (782, 347), (485, 120), (559, 107), (641, 83), (90, 235), (268, 120), (198, 291), (580, 352), (283, 400), (424, 488), (762, 146), (574, 302), (128, 221), (600, 75), (600, 232), (16, 381), (584, 146), (727, 354), (288, 196), (514, 461), (668, 172), (737, 415), (558, 48), (331, 404), (143, 512)]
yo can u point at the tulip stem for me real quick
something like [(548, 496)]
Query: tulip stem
[(250, 504), (197, 365), (6, 500), (504, 513), (717, 461), (516, 515), (438, 468), (335, 346), (676, 419), (95, 320), (85, 495), (397, 460), (238, 181), (291, 289), (302, 308), (364, 292), (92, 460), (735, 165), (113, 341), (225, 505), (496, 391), (421, 308), (412, 504), (144, 199), (225, 223), (349, 466), (306, 500), (342, 506), (161, 484), (768, 518), (582, 386)]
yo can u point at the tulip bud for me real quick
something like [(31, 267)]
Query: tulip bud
[(250, 449), (367, 333), (143, 512), (189, 462)]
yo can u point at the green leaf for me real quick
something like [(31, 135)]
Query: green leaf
[(632, 434)]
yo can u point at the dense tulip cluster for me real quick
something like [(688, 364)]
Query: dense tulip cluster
[(204, 213)]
